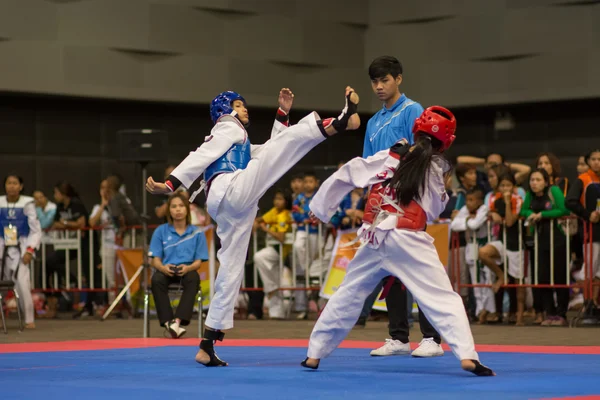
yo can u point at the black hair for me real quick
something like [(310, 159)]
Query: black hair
[(589, 155), (462, 169), (411, 175), (476, 191), (13, 175), (297, 176), (545, 175), (507, 176), (312, 174), (384, 65), (287, 196), (502, 159), (66, 189)]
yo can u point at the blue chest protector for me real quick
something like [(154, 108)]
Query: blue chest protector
[(14, 216), (237, 157)]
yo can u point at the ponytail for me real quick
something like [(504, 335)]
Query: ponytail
[(410, 176)]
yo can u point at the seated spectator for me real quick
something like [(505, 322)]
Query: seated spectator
[(177, 249), (276, 223)]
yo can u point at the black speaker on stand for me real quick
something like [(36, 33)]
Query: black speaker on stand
[(142, 146)]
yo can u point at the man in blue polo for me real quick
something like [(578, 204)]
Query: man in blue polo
[(390, 124)]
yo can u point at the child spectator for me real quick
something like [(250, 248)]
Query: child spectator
[(472, 220)]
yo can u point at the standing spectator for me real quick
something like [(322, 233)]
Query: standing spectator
[(306, 242), (100, 217), (551, 164), (22, 236), (582, 166), (45, 209), (542, 206), (71, 215), (123, 214), (472, 219), (177, 250), (521, 171), (161, 211), (584, 200), (297, 185)]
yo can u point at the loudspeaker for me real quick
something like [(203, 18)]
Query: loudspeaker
[(143, 145)]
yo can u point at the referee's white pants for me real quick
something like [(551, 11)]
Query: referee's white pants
[(411, 257)]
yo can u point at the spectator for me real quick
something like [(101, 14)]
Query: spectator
[(276, 223), (161, 211), (582, 166), (584, 200), (177, 250), (297, 185), (71, 215), (123, 214), (350, 212), (504, 208), (100, 217), (521, 171), (306, 242), (543, 204), (551, 164), (45, 209), (472, 220)]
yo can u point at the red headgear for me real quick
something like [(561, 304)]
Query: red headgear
[(438, 122)]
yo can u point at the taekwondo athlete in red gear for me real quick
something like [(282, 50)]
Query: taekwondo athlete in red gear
[(237, 174), (407, 190)]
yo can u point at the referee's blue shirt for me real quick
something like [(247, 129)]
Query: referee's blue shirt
[(176, 249), (389, 125)]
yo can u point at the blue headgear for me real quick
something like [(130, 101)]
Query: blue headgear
[(222, 104)]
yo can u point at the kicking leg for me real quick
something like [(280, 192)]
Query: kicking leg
[(412, 257), (344, 307), (283, 151)]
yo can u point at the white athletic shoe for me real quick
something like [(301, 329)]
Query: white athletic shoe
[(174, 329), (428, 348), (392, 348)]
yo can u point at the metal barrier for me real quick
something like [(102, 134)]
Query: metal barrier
[(290, 240), (586, 285)]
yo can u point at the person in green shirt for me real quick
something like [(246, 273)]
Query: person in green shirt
[(542, 206)]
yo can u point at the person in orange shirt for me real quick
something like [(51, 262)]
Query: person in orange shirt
[(275, 223)]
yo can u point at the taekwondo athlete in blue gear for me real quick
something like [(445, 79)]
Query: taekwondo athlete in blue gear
[(21, 236), (235, 182)]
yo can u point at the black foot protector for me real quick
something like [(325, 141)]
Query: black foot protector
[(341, 122), (482, 370), (305, 365), (207, 345)]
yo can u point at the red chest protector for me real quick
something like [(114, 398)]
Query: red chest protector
[(414, 218)]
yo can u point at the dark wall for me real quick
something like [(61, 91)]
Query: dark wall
[(46, 139)]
